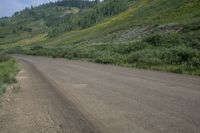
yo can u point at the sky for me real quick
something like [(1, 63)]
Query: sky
[(8, 7)]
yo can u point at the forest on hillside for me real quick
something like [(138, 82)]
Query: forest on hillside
[(61, 16)]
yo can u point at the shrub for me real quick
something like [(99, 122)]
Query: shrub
[(154, 40), (180, 55), (195, 62), (147, 57), (8, 70), (36, 47), (4, 57), (130, 47)]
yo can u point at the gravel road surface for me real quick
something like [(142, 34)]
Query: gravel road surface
[(61, 96)]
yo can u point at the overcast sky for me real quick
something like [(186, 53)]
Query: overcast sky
[(8, 7)]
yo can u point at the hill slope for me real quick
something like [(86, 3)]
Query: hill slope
[(150, 34)]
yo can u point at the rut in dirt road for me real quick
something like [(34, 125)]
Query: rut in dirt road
[(76, 97), (39, 107)]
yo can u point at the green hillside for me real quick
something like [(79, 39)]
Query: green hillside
[(149, 34)]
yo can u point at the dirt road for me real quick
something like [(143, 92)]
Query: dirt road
[(60, 96)]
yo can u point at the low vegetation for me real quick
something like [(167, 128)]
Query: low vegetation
[(173, 52), (8, 71)]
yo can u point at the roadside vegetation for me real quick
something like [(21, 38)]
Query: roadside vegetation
[(178, 53), (159, 35), (8, 71)]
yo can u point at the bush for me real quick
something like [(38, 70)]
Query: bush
[(195, 62), (2, 89), (154, 40), (4, 57), (36, 48), (180, 55), (130, 47), (8, 70), (147, 57), (105, 60)]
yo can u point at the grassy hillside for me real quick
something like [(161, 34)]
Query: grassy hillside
[(42, 19), (150, 34)]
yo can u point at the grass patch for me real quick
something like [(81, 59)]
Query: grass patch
[(8, 71)]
